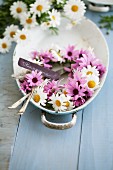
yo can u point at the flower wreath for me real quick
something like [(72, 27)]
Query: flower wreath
[(84, 71)]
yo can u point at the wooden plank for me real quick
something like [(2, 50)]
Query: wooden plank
[(8, 118), (96, 151), (38, 147)]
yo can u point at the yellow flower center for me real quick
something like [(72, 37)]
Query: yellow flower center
[(29, 21), (18, 10), (65, 92), (74, 8), (66, 104), (22, 37), (12, 34), (89, 72), (58, 103), (73, 22), (47, 23), (39, 8), (53, 17), (4, 45), (36, 98), (91, 84)]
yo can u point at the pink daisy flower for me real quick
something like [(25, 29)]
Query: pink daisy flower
[(69, 70), (34, 78), (77, 76), (74, 66), (49, 66), (51, 87), (86, 60), (70, 52), (74, 90), (81, 53), (102, 69), (25, 86), (34, 54), (46, 57), (80, 101), (88, 93)]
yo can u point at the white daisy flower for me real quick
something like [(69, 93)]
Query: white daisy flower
[(92, 82), (54, 18), (72, 24), (56, 51), (74, 9), (45, 25), (67, 103), (18, 8), (90, 71), (10, 31), (40, 6), (57, 55), (45, 82), (22, 36), (39, 96), (37, 61), (55, 47), (57, 102), (5, 45), (27, 21)]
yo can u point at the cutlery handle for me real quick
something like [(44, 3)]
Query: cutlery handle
[(19, 102), (22, 110), (58, 126)]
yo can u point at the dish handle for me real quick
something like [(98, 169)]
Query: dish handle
[(58, 126), (99, 8)]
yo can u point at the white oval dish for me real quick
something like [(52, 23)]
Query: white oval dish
[(84, 35)]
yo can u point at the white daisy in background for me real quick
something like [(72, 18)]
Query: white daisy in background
[(40, 6), (5, 45), (57, 102), (10, 31), (92, 82), (90, 71), (39, 96), (18, 8), (72, 24), (22, 36), (54, 18), (45, 25), (74, 9), (27, 21)]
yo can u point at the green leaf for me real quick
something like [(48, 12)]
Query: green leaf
[(106, 22)]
